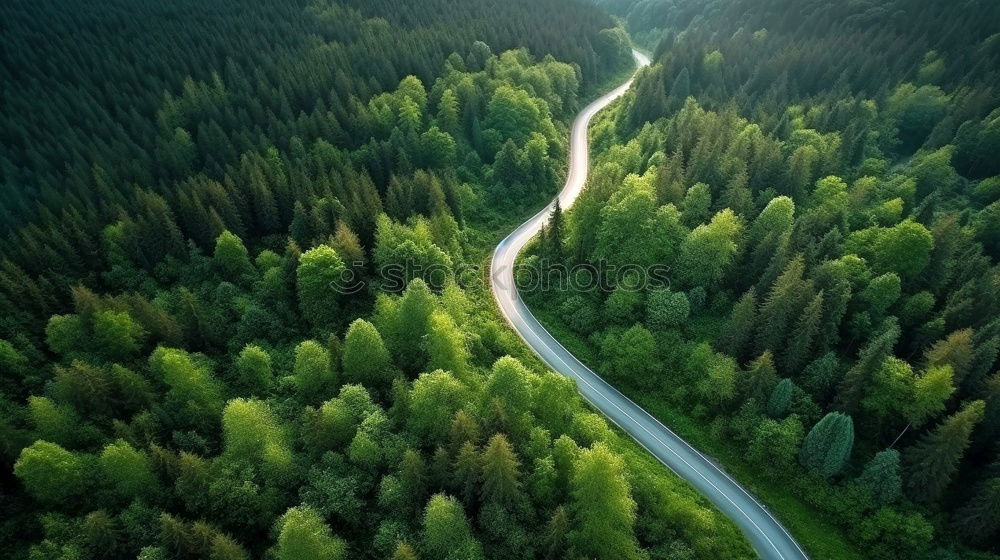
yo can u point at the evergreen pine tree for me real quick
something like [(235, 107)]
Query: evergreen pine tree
[(781, 399), (801, 343), (738, 332), (883, 477), (827, 447), (857, 380), (500, 473), (933, 461)]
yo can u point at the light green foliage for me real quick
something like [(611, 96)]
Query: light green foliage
[(500, 473), (713, 375), (955, 350), (776, 443), (231, 259), (52, 422), (253, 366), (828, 445), (446, 531), (412, 324), (303, 534), (696, 205), (447, 115), (252, 433), (602, 509), (408, 252), (776, 218), (191, 383), (930, 393), (446, 348), (50, 473), (404, 552), (128, 471), (633, 230), (434, 400), (312, 373), (881, 293), (903, 249), (437, 149), (366, 359), (554, 401), (334, 424), (319, 278), (509, 386), (932, 68), (623, 305), (589, 428), (890, 387), (513, 113), (631, 353), (707, 252), (713, 62), (117, 336), (831, 203)]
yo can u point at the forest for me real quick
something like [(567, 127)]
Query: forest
[(182, 185), (201, 358), (823, 181)]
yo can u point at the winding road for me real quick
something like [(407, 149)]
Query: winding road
[(765, 533)]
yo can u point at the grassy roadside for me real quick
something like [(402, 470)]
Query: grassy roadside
[(821, 539)]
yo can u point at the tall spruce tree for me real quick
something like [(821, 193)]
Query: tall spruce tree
[(933, 461), (827, 447)]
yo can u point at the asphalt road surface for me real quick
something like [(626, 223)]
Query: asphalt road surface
[(768, 537)]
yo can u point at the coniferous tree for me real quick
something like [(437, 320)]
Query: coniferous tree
[(933, 461), (303, 534), (827, 447), (739, 330), (467, 474), (312, 374), (500, 472), (602, 510), (800, 345), (319, 279), (412, 324), (858, 378), (555, 236), (781, 399), (366, 359), (883, 477), (446, 530), (232, 259), (780, 307)]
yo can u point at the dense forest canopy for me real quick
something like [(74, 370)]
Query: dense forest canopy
[(823, 180), (141, 102), (184, 184)]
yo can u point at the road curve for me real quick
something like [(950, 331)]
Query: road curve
[(765, 533)]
